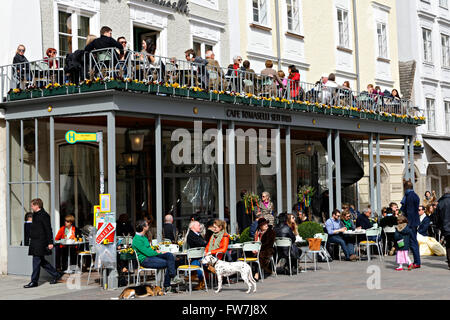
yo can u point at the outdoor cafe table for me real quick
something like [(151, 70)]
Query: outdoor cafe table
[(236, 246), (69, 245), (355, 233)]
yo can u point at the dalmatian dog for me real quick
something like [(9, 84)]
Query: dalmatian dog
[(225, 269)]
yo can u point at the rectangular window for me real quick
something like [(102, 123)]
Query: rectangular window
[(293, 15), (443, 4), (65, 33), (447, 116), (431, 115), (260, 11), (73, 31), (382, 40), (201, 48), (427, 45), (445, 50), (342, 18)]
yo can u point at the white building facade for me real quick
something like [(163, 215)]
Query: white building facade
[(424, 37)]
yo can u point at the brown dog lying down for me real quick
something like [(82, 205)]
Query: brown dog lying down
[(141, 291)]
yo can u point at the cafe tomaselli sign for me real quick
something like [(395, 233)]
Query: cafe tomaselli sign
[(258, 116)]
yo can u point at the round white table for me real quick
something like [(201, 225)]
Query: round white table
[(355, 233), (69, 245)]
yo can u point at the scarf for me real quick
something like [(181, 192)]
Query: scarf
[(348, 224), (216, 238)]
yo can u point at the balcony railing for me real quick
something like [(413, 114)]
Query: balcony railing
[(107, 64)]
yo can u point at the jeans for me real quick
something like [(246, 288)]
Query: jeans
[(39, 262), (335, 238), (161, 261), (414, 245), (197, 262)]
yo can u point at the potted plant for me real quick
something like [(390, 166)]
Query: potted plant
[(307, 230), (418, 148), (245, 236)]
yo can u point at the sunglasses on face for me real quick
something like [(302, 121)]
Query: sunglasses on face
[(21, 50), (123, 42)]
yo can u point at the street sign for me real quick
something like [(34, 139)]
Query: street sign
[(106, 232), (73, 137), (105, 203)]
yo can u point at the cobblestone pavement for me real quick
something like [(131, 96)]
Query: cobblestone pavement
[(345, 281)]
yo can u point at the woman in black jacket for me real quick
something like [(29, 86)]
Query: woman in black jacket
[(22, 67), (266, 236)]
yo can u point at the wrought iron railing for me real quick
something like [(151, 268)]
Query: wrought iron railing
[(138, 66)]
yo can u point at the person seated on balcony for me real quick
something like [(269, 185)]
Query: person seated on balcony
[(335, 229), (198, 67), (22, 69), (314, 95), (270, 80), (233, 74), (51, 59), (249, 77), (218, 243), (282, 230), (169, 229), (294, 83), (172, 71), (284, 80), (329, 90), (66, 232), (215, 74)]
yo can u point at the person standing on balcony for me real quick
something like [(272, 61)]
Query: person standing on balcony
[(215, 74), (249, 77), (233, 73), (50, 58), (105, 41), (294, 83), (23, 68), (270, 80), (410, 209)]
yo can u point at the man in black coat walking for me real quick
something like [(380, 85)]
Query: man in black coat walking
[(410, 209), (41, 244), (443, 219)]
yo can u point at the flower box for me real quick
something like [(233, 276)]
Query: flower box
[(72, 89), (165, 90), (182, 92), (55, 91), (200, 95), (300, 107), (354, 113), (19, 96), (127, 256), (136, 86), (418, 149), (336, 111), (99, 86), (318, 109), (246, 100), (227, 98), (36, 93)]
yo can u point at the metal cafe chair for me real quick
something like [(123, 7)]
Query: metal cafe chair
[(283, 243), (252, 246), (373, 232), (140, 269), (322, 250), (194, 253)]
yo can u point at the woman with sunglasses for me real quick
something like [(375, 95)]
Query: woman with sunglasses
[(22, 66), (66, 232)]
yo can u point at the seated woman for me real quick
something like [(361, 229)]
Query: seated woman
[(51, 59), (266, 236), (66, 232), (218, 243)]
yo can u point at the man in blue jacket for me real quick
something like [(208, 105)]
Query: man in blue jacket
[(410, 209)]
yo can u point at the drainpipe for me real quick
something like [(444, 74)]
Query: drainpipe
[(277, 19), (355, 26)]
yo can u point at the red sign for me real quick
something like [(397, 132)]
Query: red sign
[(105, 233)]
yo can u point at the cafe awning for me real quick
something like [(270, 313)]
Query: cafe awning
[(442, 147)]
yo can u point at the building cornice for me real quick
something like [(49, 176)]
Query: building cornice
[(426, 15), (346, 74), (443, 21), (381, 6), (431, 81), (212, 23)]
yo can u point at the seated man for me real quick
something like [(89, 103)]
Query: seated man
[(424, 222), (150, 258), (363, 219), (169, 229), (334, 227), (195, 240), (282, 230)]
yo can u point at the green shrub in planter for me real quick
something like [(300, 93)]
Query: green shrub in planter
[(245, 236), (308, 229)]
